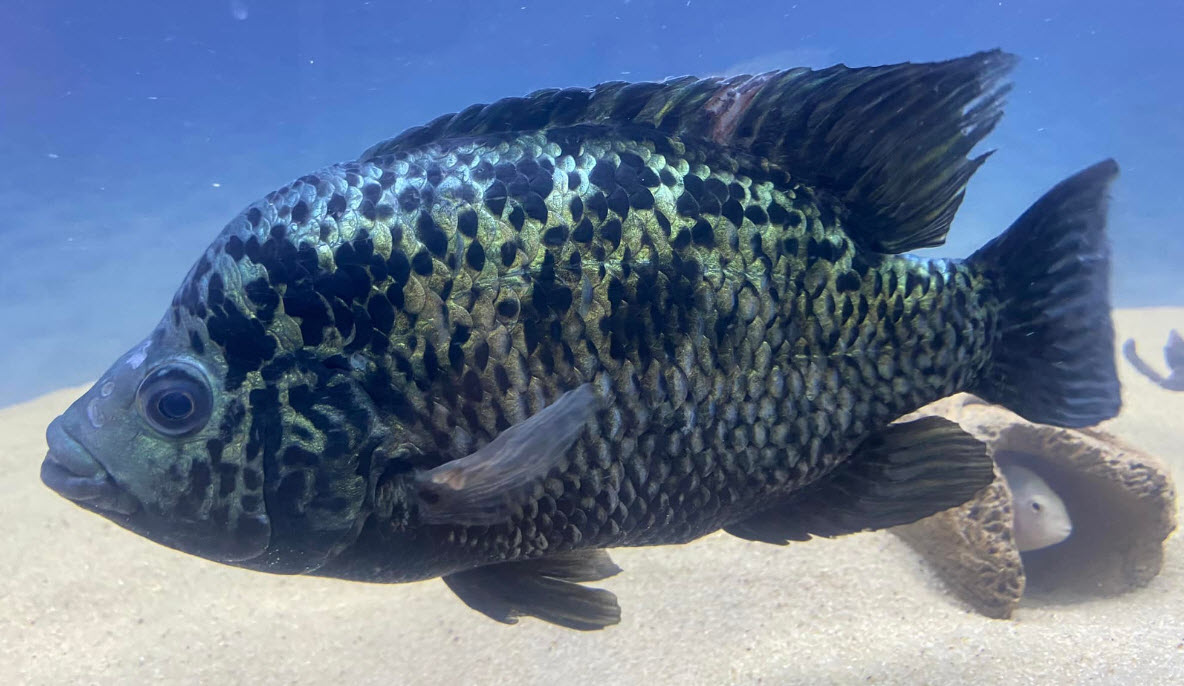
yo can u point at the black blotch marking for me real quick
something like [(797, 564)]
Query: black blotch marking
[(611, 232), (576, 206), (913, 280), (431, 362), (263, 297), (296, 456), (542, 183), (826, 214), (604, 175), (471, 386), (531, 334), (399, 266), (481, 354), (663, 222), (847, 281), (648, 177), (394, 293), (618, 201), (382, 315), (508, 251), (555, 236), (709, 204), (475, 256), (822, 250), (687, 206), (495, 198), (703, 234), (302, 301), (505, 171), (777, 213), (535, 207), (466, 223), (456, 354), (254, 215), (681, 240), (716, 187), (517, 217), (518, 187), (501, 378), (508, 307), (583, 232), (409, 200), (641, 199), (422, 263), (431, 235), (246, 343), (733, 212), (597, 204), (756, 215), (234, 248), (196, 343)]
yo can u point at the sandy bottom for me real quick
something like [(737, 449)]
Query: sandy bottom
[(84, 601)]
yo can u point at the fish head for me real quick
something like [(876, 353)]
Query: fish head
[(1040, 516), (223, 436), (141, 447)]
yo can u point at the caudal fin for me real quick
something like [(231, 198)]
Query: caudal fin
[(1053, 357)]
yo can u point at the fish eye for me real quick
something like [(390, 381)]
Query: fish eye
[(1037, 507), (175, 399)]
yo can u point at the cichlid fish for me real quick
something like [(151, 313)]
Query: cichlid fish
[(497, 344), (1041, 519)]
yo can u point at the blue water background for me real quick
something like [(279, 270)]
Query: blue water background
[(131, 132)]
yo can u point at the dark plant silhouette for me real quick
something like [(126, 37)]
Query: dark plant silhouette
[(1173, 354)]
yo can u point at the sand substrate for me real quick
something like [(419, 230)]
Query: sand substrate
[(83, 601)]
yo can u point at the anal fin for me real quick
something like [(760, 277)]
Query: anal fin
[(901, 474), (546, 588)]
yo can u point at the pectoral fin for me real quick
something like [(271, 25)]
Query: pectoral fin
[(903, 473), (483, 488), (545, 588)]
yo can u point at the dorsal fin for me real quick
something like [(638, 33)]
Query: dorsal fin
[(890, 142)]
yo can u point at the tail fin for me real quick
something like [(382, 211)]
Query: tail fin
[(1053, 357)]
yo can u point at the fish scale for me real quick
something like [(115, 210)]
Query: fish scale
[(732, 300), (621, 316)]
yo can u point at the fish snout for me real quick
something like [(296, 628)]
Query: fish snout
[(71, 471)]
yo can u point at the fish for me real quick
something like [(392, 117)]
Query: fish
[(1041, 518), (499, 344)]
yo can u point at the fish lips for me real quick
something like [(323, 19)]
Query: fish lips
[(71, 471)]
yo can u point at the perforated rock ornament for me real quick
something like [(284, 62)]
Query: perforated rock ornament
[(1121, 501)]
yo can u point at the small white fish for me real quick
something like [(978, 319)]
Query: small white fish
[(1041, 519)]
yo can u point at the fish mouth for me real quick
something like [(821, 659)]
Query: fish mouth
[(71, 471)]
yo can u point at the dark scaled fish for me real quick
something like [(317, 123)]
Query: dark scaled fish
[(498, 344)]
